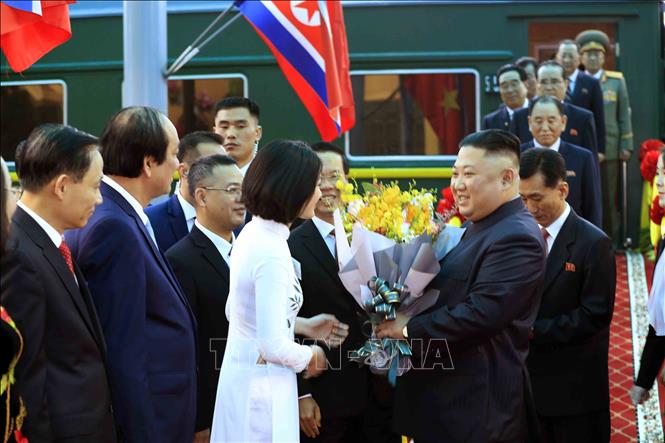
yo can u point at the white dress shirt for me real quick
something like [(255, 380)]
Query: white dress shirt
[(134, 203), (572, 79), (555, 227), (326, 230), (598, 75), (512, 111), (188, 210), (223, 247), (52, 233), (245, 168), (555, 146)]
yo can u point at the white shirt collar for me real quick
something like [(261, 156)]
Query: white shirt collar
[(555, 227), (323, 226), (52, 233), (598, 75), (133, 202), (222, 245), (187, 209), (246, 167), (573, 76), (512, 111), (554, 146)]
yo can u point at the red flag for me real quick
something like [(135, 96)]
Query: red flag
[(308, 40), (27, 36)]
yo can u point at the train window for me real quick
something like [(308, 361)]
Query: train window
[(417, 113), (192, 99), (26, 104)]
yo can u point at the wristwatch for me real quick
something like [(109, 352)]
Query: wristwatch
[(405, 333)]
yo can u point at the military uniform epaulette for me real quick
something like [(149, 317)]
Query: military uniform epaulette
[(614, 74)]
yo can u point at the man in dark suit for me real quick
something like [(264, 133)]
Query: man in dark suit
[(546, 122), (582, 90), (530, 65), (580, 128), (148, 324), (346, 403), (201, 264), (61, 374), (469, 382), (570, 338), (512, 88), (174, 218)]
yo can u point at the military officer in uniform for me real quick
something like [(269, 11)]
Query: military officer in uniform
[(618, 129)]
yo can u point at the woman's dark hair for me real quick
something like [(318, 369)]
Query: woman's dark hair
[(4, 217), (546, 161), (280, 180), (51, 150), (131, 135)]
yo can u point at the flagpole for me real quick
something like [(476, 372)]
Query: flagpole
[(193, 49)]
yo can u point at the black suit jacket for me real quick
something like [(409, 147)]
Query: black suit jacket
[(568, 353), (580, 129), (204, 277), (62, 373), (588, 94), (498, 119), (342, 391), (168, 222), (470, 382), (583, 181)]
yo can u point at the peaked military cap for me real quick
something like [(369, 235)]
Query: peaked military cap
[(593, 39)]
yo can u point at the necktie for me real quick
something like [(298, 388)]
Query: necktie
[(569, 90), (67, 255), (546, 234)]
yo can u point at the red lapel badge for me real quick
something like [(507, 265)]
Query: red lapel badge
[(573, 132), (570, 267)]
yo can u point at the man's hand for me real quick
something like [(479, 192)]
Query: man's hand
[(324, 327), (202, 436), (310, 416), (601, 157), (624, 155), (393, 328), (638, 395)]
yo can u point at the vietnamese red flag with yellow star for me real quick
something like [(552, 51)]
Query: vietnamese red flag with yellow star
[(308, 39), (29, 29)]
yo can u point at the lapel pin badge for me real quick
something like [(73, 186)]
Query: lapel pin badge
[(573, 132), (570, 267)]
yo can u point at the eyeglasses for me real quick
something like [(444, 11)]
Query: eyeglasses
[(554, 82), (332, 178), (231, 190)]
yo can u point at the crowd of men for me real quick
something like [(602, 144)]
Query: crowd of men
[(122, 309)]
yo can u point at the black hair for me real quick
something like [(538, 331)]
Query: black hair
[(494, 141), (568, 41), (280, 180), (132, 134), (203, 168), (329, 147), (238, 102), (51, 150), (187, 147), (4, 216), (523, 62), (546, 100), (549, 63), (546, 161), (510, 67)]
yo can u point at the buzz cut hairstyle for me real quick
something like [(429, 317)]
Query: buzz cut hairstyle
[(51, 150), (551, 63), (329, 147), (546, 161), (511, 67), (546, 100), (187, 151), (203, 168), (239, 102), (495, 142)]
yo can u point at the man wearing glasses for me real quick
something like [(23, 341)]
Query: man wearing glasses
[(201, 263), (174, 218)]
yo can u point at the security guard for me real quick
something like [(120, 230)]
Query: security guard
[(618, 129)]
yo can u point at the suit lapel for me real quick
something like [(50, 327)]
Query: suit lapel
[(210, 253), (57, 262), (111, 193), (556, 260), (176, 217), (316, 245)]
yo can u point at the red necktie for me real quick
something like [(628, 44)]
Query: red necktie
[(67, 255), (545, 234)]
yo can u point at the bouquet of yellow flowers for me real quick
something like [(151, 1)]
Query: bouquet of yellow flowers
[(390, 261)]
